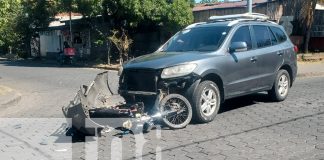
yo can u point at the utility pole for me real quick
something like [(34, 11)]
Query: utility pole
[(249, 4), (71, 36)]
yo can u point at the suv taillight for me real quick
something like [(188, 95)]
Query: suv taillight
[(296, 49)]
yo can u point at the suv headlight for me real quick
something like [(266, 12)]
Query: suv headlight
[(177, 71)]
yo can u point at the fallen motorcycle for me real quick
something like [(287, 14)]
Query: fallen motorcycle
[(96, 106)]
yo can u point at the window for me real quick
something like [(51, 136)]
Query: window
[(243, 35), (201, 39), (281, 36), (262, 36), (273, 38)]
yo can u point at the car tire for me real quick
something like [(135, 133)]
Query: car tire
[(281, 86), (205, 108)]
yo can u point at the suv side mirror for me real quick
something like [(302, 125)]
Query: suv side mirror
[(238, 47)]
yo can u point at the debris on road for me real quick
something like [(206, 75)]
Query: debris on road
[(93, 107)]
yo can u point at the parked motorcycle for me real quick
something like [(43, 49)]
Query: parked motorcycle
[(67, 56)]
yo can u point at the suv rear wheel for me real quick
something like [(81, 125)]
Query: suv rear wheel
[(206, 102), (280, 89)]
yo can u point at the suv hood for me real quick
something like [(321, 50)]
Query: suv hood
[(159, 60)]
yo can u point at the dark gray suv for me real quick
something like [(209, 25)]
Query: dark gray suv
[(211, 62)]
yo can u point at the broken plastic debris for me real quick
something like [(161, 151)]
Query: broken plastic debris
[(128, 124), (43, 142), (61, 150)]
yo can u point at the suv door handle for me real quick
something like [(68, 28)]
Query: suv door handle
[(254, 59), (280, 53)]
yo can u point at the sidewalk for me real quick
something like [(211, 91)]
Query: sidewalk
[(311, 57), (8, 96), (306, 69)]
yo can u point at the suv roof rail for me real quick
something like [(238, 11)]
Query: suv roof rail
[(194, 24), (245, 16)]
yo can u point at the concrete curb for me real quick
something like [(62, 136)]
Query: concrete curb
[(310, 74), (8, 97), (3, 59)]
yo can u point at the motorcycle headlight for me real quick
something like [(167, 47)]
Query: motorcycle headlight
[(177, 71)]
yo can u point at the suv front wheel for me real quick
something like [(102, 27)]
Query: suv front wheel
[(280, 89), (206, 102)]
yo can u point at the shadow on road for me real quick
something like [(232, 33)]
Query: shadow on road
[(244, 101), (40, 63)]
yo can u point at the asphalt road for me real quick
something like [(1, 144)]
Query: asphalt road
[(250, 127), (45, 88)]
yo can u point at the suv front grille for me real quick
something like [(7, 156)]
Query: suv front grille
[(140, 80)]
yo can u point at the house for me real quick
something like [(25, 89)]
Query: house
[(277, 11), (51, 40), (269, 7), (317, 34)]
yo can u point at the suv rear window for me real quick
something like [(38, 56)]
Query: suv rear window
[(262, 36), (281, 36), (273, 38)]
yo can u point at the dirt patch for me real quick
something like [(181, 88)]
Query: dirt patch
[(310, 62), (107, 67), (5, 90), (311, 74)]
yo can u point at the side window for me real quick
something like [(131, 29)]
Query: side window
[(243, 35), (262, 36), (279, 34), (273, 38)]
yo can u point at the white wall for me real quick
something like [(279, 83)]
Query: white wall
[(49, 42)]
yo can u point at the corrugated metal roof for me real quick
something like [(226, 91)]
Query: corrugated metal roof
[(223, 5), (319, 6)]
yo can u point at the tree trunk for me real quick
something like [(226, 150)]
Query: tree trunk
[(310, 19), (108, 52), (307, 38), (121, 61)]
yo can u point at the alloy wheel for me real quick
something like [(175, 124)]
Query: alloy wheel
[(208, 102)]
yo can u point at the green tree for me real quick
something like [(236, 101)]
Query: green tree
[(149, 12), (192, 3), (179, 14), (34, 14), (9, 10), (19, 19), (122, 43), (126, 14)]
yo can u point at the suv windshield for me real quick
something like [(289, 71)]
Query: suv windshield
[(201, 39)]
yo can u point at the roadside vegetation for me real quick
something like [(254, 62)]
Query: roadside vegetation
[(20, 19)]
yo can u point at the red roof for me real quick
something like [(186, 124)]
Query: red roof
[(223, 5)]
